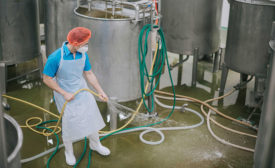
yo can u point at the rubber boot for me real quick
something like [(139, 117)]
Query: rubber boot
[(95, 145), (69, 153)]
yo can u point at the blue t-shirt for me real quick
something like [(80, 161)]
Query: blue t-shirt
[(53, 61)]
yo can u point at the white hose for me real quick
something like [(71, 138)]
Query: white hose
[(208, 123), (150, 129), (147, 130), (164, 105), (222, 140), (172, 98)]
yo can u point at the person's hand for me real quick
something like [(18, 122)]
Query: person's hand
[(103, 97), (68, 96)]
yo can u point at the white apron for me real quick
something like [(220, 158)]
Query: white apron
[(81, 117)]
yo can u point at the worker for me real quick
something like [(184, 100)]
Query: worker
[(63, 73)]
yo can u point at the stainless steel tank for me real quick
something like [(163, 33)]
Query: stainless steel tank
[(19, 35), (190, 24), (14, 140), (113, 51), (248, 36), (247, 40), (60, 19)]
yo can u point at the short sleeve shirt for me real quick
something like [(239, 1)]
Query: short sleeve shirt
[(53, 61)]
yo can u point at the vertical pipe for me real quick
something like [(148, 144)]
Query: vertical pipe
[(221, 58), (3, 84), (113, 115), (195, 66), (223, 79), (216, 61), (259, 87), (159, 10), (3, 146), (180, 69), (40, 64)]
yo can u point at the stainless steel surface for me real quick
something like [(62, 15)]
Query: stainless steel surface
[(3, 84), (14, 140), (113, 114), (41, 11), (190, 24), (264, 156), (248, 36), (60, 19), (19, 35), (217, 57), (113, 52), (180, 69), (3, 144), (195, 66), (223, 79)]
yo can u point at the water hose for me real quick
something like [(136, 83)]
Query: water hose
[(218, 124), (128, 131), (214, 121), (161, 56)]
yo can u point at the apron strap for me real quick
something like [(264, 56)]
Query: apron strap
[(83, 57), (61, 58)]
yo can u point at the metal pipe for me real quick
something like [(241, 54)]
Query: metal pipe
[(113, 7), (113, 115), (3, 84), (195, 66), (159, 8), (216, 61), (223, 79), (179, 63), (20, 76), (3, 145), (89, 5), (221, 58), (136, 8), (180, 69)]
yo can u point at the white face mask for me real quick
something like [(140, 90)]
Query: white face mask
[(83, 49)]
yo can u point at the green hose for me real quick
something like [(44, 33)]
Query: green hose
[(57, 139), (158, 66)]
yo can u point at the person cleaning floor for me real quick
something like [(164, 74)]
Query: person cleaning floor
[(63, 73)]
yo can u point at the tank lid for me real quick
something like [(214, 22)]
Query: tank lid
[(257, 2), (136, 10)]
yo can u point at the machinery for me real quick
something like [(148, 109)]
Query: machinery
[(247, 41), (19, 36), (192, 27)]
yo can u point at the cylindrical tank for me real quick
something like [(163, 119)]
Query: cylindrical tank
[(14, 139), (190, 24), (113, 52), (248, 36), (19, 35), (60, 19)]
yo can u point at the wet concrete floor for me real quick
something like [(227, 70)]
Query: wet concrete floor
[(184, 148)]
